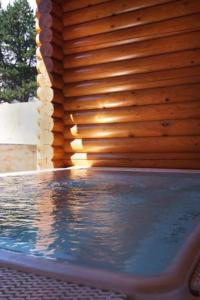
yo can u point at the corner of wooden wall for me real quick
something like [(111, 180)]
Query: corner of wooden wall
[(50, 152)]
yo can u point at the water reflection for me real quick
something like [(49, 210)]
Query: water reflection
[(108, 220), (44, 221)]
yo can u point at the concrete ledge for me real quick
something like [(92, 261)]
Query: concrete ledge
[(137, 170)]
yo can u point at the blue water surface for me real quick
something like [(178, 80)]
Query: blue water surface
[(128, 222)]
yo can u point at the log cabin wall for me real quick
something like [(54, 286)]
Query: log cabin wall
[(49, 55), (129, 80)]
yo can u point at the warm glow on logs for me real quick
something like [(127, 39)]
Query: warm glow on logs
[(79, 156), (77, 145), (80, 160), (45, 225), (74, 130), (104, 119), (49, 79), (119, 82), (71, 117)]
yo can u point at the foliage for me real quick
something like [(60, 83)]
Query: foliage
[(17, 52)]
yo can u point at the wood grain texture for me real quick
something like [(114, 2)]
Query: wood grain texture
[(140, 145), (134, 82), (49, 7), (49, 50), (133, 66), (51, 22), (52, 124), (122, 82), (71, 5), (158, 46), (180, 93), (136, 156), (50, 83), (47, 36), (133, 19), (107, 9), (47, 65), (133, 34), (143, 163), (174, 111), (170, 127)]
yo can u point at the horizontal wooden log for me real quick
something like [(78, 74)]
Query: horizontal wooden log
[(49, 7), (141, 145), (164, 164), (45, 123), (58, 97), (48, 36), (47, 164), (44, 4), (49, 50), (149, 15), (50, 80), (134, 82), (44, 152), (51, 109), (71, 5), (134, 66), (157, 112), (188, 92), (49, 21), (48, 138), (48, 65), (163, 45), (58, 125), (48, 153), (187, 127), (47, 94), (46, 109), (133, 156), (133, 34), (59, 154), (59, 163), (51, 124), (58, 111), (106, 9)]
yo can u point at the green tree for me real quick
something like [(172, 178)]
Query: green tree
[(17, 52)]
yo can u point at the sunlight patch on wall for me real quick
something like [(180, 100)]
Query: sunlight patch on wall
[(81, 160)]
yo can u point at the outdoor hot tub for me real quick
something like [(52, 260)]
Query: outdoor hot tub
[(132, 231)]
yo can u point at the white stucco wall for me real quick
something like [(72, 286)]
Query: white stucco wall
[(18, 123)]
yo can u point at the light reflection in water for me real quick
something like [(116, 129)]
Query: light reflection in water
[(45, 220), (109, 220)]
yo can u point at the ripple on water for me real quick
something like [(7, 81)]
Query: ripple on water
[(120, 221)]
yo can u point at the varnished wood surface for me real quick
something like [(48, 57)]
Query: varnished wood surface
[(50, 83), (133, 19), (122, 79), (158, 95)]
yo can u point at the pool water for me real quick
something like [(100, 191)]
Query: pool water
[(127, 222)]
